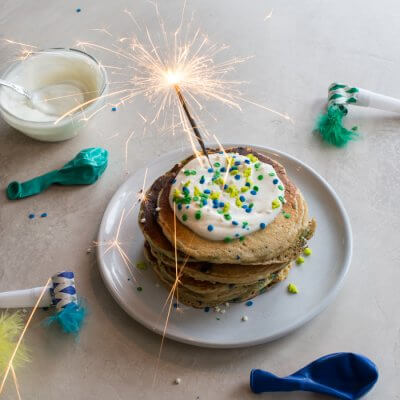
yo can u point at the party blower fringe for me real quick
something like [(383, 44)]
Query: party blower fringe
[(340, 96), (69, 313)]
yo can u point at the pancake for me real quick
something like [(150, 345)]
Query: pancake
[(258, 247), (212, 272), (202, 294), (220, 273)]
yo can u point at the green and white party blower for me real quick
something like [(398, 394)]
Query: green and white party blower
[(330, 125)]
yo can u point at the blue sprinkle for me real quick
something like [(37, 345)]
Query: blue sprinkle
[(247, 161), (262, 225), (213, 178), (202, 180), (242, 199), (248, 184), (237, 177), (223, 169), (235, 223), (207, 191), (204, 202), (43, 215), (215, 206), (237, 257), (31, 216), (221, 204), (275, 181), (174, 181), (233, 168), (206, 309), (215, 201), (185, 190), (114, 109), (210, 228), (210, 170), (253, 192), (179, 206), (248, 210), (78, 10), (237, 162), (244, 206), (187, 206), (225, 186), (237, 234), (175, 305), (249, 303), (220, 152)]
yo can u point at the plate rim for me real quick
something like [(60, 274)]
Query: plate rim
[(244, 343)]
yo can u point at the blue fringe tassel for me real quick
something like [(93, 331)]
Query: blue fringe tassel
[(70, 318)]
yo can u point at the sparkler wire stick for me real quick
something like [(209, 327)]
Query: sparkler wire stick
[(192, 122)]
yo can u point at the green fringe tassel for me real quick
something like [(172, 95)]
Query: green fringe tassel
[(330, 126)]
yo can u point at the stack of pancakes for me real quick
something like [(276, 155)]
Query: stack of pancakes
[(209, 273)]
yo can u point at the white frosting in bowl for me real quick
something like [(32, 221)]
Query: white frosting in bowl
[(236, 197), (59, 80)]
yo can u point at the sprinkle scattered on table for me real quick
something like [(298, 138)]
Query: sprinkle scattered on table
[(31, 216)]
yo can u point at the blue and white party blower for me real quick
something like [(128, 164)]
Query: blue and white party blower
[(61, 294)]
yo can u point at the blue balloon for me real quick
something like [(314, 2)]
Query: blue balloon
[(346, 376)]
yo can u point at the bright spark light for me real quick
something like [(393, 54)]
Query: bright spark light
[(157, 63)]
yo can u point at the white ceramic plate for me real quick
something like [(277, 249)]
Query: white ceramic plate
[(274, 313)]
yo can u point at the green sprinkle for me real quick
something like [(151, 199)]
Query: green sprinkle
[(217, 164), (280, 187), (292, 288), (282, 200), (187, 173), (300, 260), (354, 128), (307, 251), (245, 224), (227, 239), (286, 215), (241, 238), (260, 177), (139, 288), (195, 198), (255, 188), (141, 265), (217, 318), (251, 205), (220, 211), (227, 217), (271, 174), (184, 217), (197, 214), (257, 165), (193, 172)]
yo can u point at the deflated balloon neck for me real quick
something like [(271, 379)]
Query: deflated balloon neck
[(263, 381)]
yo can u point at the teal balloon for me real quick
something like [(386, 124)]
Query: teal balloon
[(86, 168)]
